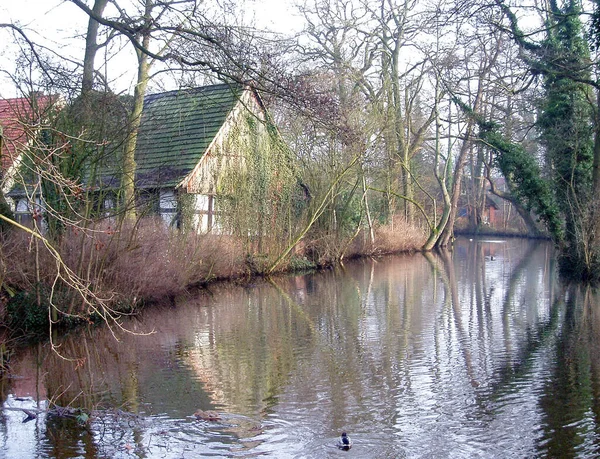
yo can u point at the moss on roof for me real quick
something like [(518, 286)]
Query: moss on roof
[(176, 129)]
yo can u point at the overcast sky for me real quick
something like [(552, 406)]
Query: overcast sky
[(55, 24)]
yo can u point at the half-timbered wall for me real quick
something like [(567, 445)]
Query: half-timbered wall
[(225, 152)]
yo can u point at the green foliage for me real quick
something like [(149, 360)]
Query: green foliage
[(566, 113), (566, 132), (186, 205), (297, 263), (24, 314), (72, 156), (28, 312), (523, 173), (255, 194), (594, 26), (566, 126), (348, 210), (82, 417), (5, 355)]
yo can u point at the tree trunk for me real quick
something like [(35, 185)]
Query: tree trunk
[(448, 231), (595, 208), (437, 230), (367, 211), (128, 178), (91, 47)]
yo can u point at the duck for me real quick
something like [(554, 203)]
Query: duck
[(207, 415), (344, 442)]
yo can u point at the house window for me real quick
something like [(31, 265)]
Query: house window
[(167, 207), (22, 212), (203, 218), (148, 202), (26, 211), (108, 205), (199, 208)]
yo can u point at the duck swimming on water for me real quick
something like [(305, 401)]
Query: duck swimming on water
[(344, 442)]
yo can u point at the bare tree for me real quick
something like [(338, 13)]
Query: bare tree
[(91, 47)]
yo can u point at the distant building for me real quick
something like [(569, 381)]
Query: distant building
[(20, 122)]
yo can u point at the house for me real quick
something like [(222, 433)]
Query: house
[(20, 120), (467, 211), (491, 210), (187, 141)]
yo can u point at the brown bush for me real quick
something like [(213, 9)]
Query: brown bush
[(146, 261), (158, 261), (327, 248), (403, 237)]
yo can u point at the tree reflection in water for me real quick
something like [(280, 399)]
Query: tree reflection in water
[(478, 352)]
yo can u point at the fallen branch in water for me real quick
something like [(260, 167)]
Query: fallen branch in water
[(31, 413), (80, 415)]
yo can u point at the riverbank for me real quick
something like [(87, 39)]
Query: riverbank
[(100, 274)]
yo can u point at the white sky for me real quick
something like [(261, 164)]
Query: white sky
[(55, 23)]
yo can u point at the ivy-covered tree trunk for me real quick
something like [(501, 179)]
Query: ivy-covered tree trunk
[(566, 132), (595, 39), (566, 126)]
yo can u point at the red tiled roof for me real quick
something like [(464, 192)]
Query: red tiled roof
[(17, 116)]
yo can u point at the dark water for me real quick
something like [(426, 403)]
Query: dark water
[(479, 354)]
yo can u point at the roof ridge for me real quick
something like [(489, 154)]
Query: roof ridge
[(196, 89)]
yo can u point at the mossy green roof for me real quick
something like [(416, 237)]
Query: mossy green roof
[(176, 129)]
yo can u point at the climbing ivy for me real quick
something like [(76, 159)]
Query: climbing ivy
[(566, 130), (255, 193), (73, 152), (523, 173)]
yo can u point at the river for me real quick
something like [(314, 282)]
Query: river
[(479, 353)]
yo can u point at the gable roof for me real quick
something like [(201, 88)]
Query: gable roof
[(177, 128), (15, 115)]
